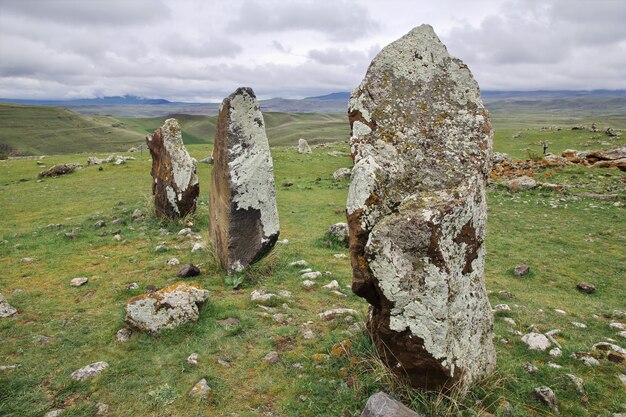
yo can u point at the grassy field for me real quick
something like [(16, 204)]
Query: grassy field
[(564, 238)]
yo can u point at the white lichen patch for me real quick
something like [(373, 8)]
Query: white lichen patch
[(250, 164), (183, 165)]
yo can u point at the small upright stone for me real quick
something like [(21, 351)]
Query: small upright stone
[(175, 183), (200, 390), (303, 146), (547, 397), (77, 282), (243, 214), (417, 209), (382, 405)]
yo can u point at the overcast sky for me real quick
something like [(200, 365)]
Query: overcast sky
[(201, 50)]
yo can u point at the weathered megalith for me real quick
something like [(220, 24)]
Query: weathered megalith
[(243, 215), (421, 141), (175, 183)]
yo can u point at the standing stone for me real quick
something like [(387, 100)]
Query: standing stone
[(303, 146), (421, 140), (243, 214), (175, 183)]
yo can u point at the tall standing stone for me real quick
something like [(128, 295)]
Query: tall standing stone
[(175, 183), (243, 214), (421, 140)]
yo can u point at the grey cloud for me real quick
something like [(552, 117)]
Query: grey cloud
[(338, 20), (88, 12), (337, 56), (213, 47)]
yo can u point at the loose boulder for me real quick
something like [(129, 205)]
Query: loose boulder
[(338, 232), (166, 308), (421, 142), (174, 181), (60, 169), (243, 214)]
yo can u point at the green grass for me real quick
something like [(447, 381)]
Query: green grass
[(564, 238)]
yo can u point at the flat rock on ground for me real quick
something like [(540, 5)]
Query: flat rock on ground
[(89, 371), (166, 308), (6, 309)]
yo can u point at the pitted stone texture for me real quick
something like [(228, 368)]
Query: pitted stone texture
[(244, 217), (421, 140), (174, 181), (166, 308)]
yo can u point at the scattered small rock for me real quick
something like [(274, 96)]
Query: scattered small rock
[(579, 384), (307, 334), (300, 262), (89, 371), (555, 353), (622, 378), (509, 321), (382, 405), (285, 293), (223, 363), (339, 233), (188, 270), (308, 283), (311, 275), (536, 341), (184, 232), (102, 409), (546, 396), (617, 326), (261, 296), (341, 174), (99, 224), (200, 390), (271, 358), (530, 368), (27, 260), (173, 262), (521, 270), (193, 359), (161, 248), (622, 334), (522, 183), (579, 325), (554, 365), (586, 287), (77, 282), (117, 238), (502, 307), (6, 309), (137, 214), (331, 314), (198, 246), (54, 413), (70, 236), (231, 321), (132, 286), (332, 285), (123, 334), (340, 255), (561, 312)]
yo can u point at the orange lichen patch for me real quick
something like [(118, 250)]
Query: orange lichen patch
[(341, 349), (158, 294)]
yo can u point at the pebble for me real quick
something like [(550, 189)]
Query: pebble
[(530, 368), (554, 365), (285, 293), (54, 413), (200, 390), (308, 284), (586, 287), (502, 307), (617, 326), (184, 232), (521, 270), (509, 321), (555, 353), (99, 224), (198, 246), (117, 238), (261, 296), (77, 282), (284, 242), (193, 359), (301, 262), (311, 275), (160, 248), (622, 334), (173, 262), (546, 396), (223, 363), (536, 341), (27, 260), (579, 325), (123, 334), (307, 334), (561, 312), (340, 255), (579, 384), (132, 286), (271, 358), (89, 371), (304, 271), (332, 285), (331, 314)]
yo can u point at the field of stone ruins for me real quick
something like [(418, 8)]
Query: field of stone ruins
[(252, 322)]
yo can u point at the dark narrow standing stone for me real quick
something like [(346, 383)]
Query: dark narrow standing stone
[(421, 141), (174, 181), (243, 215)]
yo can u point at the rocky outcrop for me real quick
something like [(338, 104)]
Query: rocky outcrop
[(174, 181), (166, 308), (58, 170), (421, 141), (243, 214)]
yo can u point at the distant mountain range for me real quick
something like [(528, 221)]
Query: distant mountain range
[(573, 102)]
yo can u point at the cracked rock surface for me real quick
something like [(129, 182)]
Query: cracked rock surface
[(421, 140)]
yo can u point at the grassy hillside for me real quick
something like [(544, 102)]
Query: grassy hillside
[(564, 238), (52, 130), (283, 129)]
